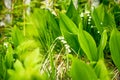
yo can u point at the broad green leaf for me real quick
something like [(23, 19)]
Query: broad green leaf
[(102, 44), (115, 47), (32, 59), (73, 14), (18, 66), (17, 72), (98, 17), (25, 48), (88, 45), (100, 12), (68, 24), (21, 73), (71, 38), (17, 36), (101, 70), (82, 71), (9, 57)]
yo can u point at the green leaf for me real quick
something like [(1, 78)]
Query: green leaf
[(73, 14), (9, 57), (25, 48), (32, 59), (52, 24), (101, 70), (103, 19), (82, 71), (98, 17), (18, 66), (17, 36), (115, 47), (27, 71), (109, 20), (102, 44), (68, 24), (43, 27), (88, 45), (37, 22), (71, 38)]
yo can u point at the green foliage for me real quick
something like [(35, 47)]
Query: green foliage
[(101, 70), (103, 19), (29, 69), (73, 13), (116, 11), (69, 30), (82, 71), (43, 27), (9, 57), (114, 47), (69, 24), (25, 48), (2, 63), (44, 44), (17, 36), (88, 44)]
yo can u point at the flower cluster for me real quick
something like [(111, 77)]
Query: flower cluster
[(67, 47)]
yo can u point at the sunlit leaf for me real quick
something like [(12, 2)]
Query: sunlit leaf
[(115, 47), (9, 57), (88, 45), (82, 71), (32, 59), (25, 48), (101, 70), (98, 17), (68, 24), (18, 66), (17, 36)]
